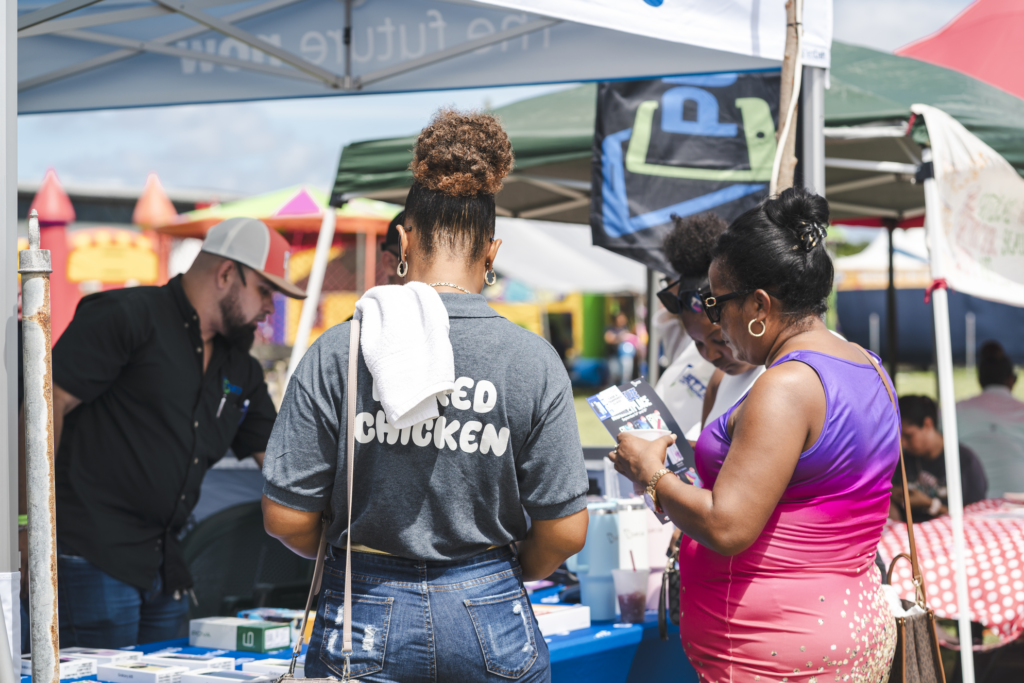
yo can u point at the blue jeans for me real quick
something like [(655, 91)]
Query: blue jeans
[(96, 610), (418, 621)]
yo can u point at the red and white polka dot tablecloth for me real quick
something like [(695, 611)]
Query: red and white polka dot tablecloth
[(994, 535)]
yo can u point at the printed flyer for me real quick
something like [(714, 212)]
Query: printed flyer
[(635, 405)]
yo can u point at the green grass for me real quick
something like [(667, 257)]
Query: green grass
[(965, 385)]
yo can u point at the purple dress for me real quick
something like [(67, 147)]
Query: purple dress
[(803, 603)]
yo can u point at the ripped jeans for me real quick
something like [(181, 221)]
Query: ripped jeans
[(415, 621)]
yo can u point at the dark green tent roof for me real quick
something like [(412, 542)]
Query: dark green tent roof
[(552, 135)]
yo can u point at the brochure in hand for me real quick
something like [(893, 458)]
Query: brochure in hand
[(635, 405)]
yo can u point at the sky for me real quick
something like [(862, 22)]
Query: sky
[(255, 147)]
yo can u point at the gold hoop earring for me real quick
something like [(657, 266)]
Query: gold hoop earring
[(490, 277), (750, 328), (403, 268)]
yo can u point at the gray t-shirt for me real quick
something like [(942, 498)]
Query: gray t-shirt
[(444, 489)]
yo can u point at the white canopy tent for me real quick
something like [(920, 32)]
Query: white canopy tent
[(559, 258), (73, 55)]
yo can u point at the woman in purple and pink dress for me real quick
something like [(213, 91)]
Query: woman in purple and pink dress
[(777, 558)]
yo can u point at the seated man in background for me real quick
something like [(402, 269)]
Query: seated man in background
[(923, 446), (992, 423)]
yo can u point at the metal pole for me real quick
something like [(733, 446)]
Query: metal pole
[(892, 357), (812, 114), (10, 558), (316, 280), (653, 338), (34, 266), (951, 441)]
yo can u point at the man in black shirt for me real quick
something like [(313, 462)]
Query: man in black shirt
[(923, 446), (151, 386)]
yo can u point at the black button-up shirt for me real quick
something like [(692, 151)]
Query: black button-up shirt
[(133, 454)]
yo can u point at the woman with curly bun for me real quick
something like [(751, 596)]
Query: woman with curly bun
[(439, 539), (777, 562)]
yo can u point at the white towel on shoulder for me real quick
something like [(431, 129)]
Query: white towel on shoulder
[(405, 344)]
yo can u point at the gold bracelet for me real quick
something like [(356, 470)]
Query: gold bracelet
[(652, 487)]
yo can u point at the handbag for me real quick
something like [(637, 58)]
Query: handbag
[(917, 658), (318, 571), (670, 585)]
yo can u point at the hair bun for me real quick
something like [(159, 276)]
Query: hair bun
[(801, 213), (462, 154)]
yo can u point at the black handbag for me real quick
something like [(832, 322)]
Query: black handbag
[(670, 588)]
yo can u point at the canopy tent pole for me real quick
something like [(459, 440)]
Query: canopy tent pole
[(947, 404), (10, 558), (311, 303), (34, 266), (653, 338), (812, 108), (892, 340)]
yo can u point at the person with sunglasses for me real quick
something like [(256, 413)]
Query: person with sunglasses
[(688, 248), (776, 564)]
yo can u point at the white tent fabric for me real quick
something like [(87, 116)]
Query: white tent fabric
[(911, 254), (101, 54), (559, 258), (978, 242)]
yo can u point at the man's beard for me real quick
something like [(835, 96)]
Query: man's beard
[(238, 331)]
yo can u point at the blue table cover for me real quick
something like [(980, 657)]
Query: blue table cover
[(606, 652)]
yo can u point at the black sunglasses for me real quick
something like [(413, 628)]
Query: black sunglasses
[(712, 305), (683, 297)]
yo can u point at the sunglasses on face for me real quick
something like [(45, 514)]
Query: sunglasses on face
[(686, 297), (712, 305)]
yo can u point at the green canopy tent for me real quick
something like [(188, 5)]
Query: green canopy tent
[(870, 161)]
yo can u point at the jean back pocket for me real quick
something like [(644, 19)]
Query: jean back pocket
[(371, 617), (504, 626)]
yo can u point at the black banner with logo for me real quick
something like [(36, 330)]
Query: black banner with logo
[(680, 145)]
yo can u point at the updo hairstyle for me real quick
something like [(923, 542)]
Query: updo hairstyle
[(779, 245), (994, 366), (458, 164), (689, 245)]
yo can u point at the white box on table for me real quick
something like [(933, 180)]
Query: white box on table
[(561, 617), (139, 672), (222, 676), (101, 656), (189, 661), (276, 666), (232, 633), (69, 667)]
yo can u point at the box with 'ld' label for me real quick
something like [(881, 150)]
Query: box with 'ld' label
[(69, 667), (244, 635)]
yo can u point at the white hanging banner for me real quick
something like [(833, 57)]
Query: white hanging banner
[(977, 246)]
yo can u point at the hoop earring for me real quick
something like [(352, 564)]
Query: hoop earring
[(403, 268), (750, 328), (490, 277)]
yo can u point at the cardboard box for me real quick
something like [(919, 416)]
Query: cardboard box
[(189, 661), (70, 667), (222, 676), (139, 672), (291, 616), (562, 617), (244, 635), (275, 666), (101, 656)]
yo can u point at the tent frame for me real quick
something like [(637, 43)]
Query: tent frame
[(47, 21)]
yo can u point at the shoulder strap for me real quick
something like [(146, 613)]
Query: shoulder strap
[(922, 597), (318, 571)]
